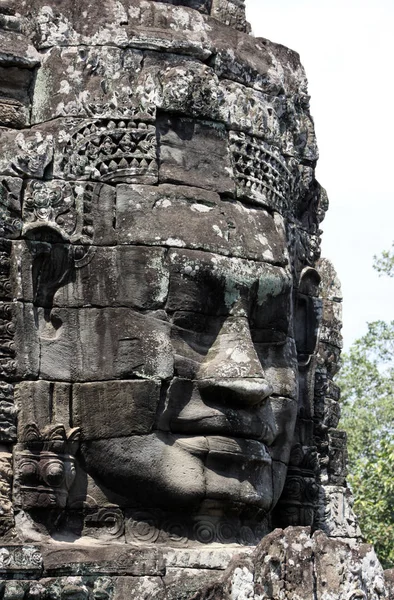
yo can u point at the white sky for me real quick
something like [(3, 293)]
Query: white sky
[(346, 47)]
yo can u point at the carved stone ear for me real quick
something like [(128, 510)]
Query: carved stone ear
[(50, 265), (307, 314)]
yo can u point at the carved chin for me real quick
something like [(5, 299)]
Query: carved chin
[(169, 472)]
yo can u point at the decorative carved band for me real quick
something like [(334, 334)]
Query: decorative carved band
[(112, 149), (261, 172)]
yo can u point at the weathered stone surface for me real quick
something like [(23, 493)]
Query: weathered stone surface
[(8, 412), (139, 588), (194, 153), (133, 402), (178, 29), (211, 284), (336, 517), (182, 584), (83, 77), (18, 62), (144, 284), (99, 344), (63, 559), (23, 358), (189, 217), (27, 153), (43, 403), (293, 564), (389, 581)]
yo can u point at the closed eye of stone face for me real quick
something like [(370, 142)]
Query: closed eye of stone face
[(227, 306)]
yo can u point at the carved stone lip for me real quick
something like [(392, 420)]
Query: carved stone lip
[(236, 449), (247, 391), (228, 422)]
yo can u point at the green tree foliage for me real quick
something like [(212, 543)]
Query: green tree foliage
[(367, 383), (384, 264), (373, 486)]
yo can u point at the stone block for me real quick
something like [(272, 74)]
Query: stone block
[(203, 6), (182, 85), (181, 584), (115, 408), (203, 557), (6, 291), (251, 63), (193, 409), (15, 46), (270, 557), (17, 71), (26, 343), (84, 80), (211, 284), (23, 561), (337, 467), (134, 276), (65, 559), (43, 403), (231, 12), (15, 84), (227, 463), (250, 111), (335, 514), (154, 25), (194, 153), (331, 286), (91, 344), (189, 217), (139, 588), (332, 413), (283, 414), (280, 367)]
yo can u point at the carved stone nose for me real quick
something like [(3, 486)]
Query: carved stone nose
[(236, 391), (232, 355)]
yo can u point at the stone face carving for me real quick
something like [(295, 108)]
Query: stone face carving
[(157, 248), (168, 335)]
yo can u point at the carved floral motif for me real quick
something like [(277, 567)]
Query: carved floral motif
[(5, 265), (35, 153), (10, 205), (7, 347), (64, 206), (61, 588)]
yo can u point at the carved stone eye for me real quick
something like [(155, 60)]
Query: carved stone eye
[(52, 472)]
